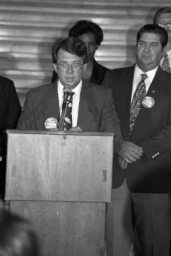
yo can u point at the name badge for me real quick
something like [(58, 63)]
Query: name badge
[(148, 102), (51, 123)]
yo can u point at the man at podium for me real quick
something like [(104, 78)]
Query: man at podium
[(71, 103)]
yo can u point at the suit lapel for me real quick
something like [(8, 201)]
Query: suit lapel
[(153, 92), (123, 93), (51, 103), (85, 107), (157, 82)]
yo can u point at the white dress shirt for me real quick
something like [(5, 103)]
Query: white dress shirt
[(75, 101), (137, 78)]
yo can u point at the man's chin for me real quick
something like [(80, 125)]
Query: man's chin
[(69, 86), (147, 66)]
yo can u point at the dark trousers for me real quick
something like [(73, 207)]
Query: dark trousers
[(147, 215), (119, 223), (152, 224)]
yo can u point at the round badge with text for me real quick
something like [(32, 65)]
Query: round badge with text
[(51, 123), (148, 102)]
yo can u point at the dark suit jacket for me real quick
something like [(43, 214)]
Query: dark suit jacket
[(152, 131), (9, 108), (97, 76), (98, 73), (9, 114), (96, 109)]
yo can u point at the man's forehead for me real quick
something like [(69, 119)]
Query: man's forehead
[(88, 37), (150, 37), (164, 18), (64, 55)]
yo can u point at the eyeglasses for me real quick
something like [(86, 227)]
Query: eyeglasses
[(165, 26), (64, 66)]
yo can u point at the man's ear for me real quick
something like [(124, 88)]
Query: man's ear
[(164, 50), (55, 67)]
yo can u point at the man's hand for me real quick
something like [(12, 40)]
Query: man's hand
[(130, 152), (123, 164)]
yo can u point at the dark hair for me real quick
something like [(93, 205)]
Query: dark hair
[(153, 28), (159, 12), (86, 26), (17, 237), (72, 45)]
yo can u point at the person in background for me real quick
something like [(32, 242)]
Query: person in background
[(71, 102), (9, 113), (163, 18), (17, 238), (141, 178), (92, 35)]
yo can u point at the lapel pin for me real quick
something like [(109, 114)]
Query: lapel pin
[(148, 102)]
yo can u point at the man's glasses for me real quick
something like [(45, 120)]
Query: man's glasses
[(64, 66), (165, 26)]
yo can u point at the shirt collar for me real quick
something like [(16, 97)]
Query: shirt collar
[(150, 73), (76, 90)]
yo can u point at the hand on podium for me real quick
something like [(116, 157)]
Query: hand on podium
[(75, 129)]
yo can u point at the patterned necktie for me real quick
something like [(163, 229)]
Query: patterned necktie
[(136, 101), (165, 64), (66, 116)]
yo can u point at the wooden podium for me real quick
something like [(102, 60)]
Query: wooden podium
[(61, 182)]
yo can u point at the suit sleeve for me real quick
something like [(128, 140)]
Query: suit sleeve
[(160, 142), (12, 112), (110, 120), (14, 108)]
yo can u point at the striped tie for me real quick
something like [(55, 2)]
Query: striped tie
[(66, 116), (136, 101)]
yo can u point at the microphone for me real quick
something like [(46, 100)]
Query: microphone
[(67, 100)]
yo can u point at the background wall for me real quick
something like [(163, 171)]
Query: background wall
[(28, 29)]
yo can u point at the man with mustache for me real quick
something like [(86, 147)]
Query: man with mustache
[(141, 177)]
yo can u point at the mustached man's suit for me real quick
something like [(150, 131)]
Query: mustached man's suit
[(148, 177)]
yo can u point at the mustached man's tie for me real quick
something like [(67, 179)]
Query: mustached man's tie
[(66, 116), (165, 64), (136, 101)]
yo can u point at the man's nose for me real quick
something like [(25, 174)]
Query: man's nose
[(70, 69), (146, 47)]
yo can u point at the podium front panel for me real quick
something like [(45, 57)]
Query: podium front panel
[(66, 228), (59, 166)]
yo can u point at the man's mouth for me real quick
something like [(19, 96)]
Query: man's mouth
[(69, 79)]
